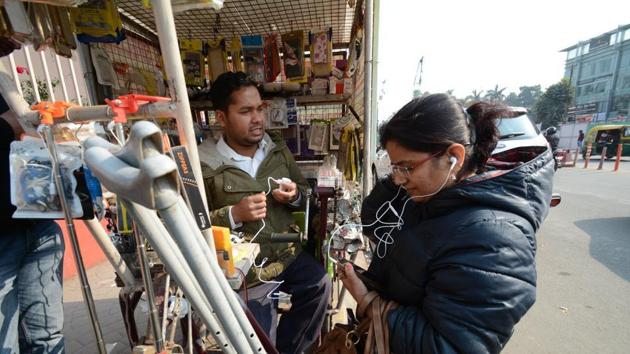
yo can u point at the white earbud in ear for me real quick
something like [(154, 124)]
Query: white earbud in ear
[(453, 160)]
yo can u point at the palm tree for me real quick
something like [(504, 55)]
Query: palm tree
[(475, 96), (495, 94)]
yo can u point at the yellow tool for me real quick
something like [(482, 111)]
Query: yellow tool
[(224, 250)]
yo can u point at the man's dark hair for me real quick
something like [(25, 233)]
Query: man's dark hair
[(225, 85)]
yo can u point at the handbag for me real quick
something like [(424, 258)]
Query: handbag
[(370, 335)]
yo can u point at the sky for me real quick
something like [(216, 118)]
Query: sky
[(477, 44)]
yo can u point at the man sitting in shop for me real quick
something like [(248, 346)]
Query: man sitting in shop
[(238, 172)]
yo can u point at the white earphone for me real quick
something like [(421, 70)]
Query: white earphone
[(453, 160)]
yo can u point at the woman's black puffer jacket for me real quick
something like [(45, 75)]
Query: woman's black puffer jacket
[(462, 267)]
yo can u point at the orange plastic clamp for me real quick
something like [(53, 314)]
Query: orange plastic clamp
[(128, 104), (48, 111)]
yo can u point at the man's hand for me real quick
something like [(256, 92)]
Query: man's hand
[(250, 208), (286, 193)]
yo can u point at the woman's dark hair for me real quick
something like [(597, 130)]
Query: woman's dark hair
[(434, 122), (223, 87)]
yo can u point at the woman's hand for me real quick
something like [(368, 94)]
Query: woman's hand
[(351, 281)]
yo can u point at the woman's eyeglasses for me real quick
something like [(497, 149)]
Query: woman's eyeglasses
[(406, 171)]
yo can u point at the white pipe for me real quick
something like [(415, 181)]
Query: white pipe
[(367, 99), (31, 72), (165, 25), (51, 92), (14, 72), (104, 113), (111, 252), (62, 79), (74, 82)]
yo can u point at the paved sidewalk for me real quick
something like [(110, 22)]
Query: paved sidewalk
[(79, 335)]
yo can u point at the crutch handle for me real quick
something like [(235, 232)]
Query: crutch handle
[(285, 237)]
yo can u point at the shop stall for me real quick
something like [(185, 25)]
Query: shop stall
[(119, 95)]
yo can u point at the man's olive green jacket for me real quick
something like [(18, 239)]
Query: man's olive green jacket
[(227, 184)]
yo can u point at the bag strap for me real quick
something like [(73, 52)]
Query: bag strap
[(378, 331), (365, 302)]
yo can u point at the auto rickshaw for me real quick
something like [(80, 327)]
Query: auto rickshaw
[(608, 135)]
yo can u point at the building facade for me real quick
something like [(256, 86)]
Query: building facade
[(599, 69)]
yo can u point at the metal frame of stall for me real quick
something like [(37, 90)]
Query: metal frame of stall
[(178, 108)]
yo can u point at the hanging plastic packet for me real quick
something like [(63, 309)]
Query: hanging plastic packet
[(236, 51), (96, 193), (20, 23), (254, 57), (33, 189), (43, 32), (64, 41), (328, 174), (217, 58)]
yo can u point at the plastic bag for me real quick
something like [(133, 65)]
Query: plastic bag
[(33, 189), (328, 175)]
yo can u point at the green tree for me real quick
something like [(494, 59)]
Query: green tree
[(475, 96), (495, 95), (551, 108), (528, 95), (513, 100)]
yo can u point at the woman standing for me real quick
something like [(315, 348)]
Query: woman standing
[(459, 261)]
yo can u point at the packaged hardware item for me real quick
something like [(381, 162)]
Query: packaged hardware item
[(33, 189)]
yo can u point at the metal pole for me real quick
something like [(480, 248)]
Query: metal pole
[(62, 79), (148, 288), (167, 288), (367, 99), (15, 73), (602, 158), (51, 92), (31, 72), (111, 252), (618, 157), (85, 285), (74, 82)]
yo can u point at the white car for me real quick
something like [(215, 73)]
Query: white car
[(518, 135)]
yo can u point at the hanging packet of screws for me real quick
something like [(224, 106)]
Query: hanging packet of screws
[(33, 189)]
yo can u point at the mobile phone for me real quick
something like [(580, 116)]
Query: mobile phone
[(365, 276)]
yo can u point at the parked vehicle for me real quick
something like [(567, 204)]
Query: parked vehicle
[(608, 135)]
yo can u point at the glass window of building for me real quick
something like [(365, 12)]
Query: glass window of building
[(588, 89), (572, 53), (585, 48), (626, 34), (625, 82), (600, 87), (604, 66), (616, 37)]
